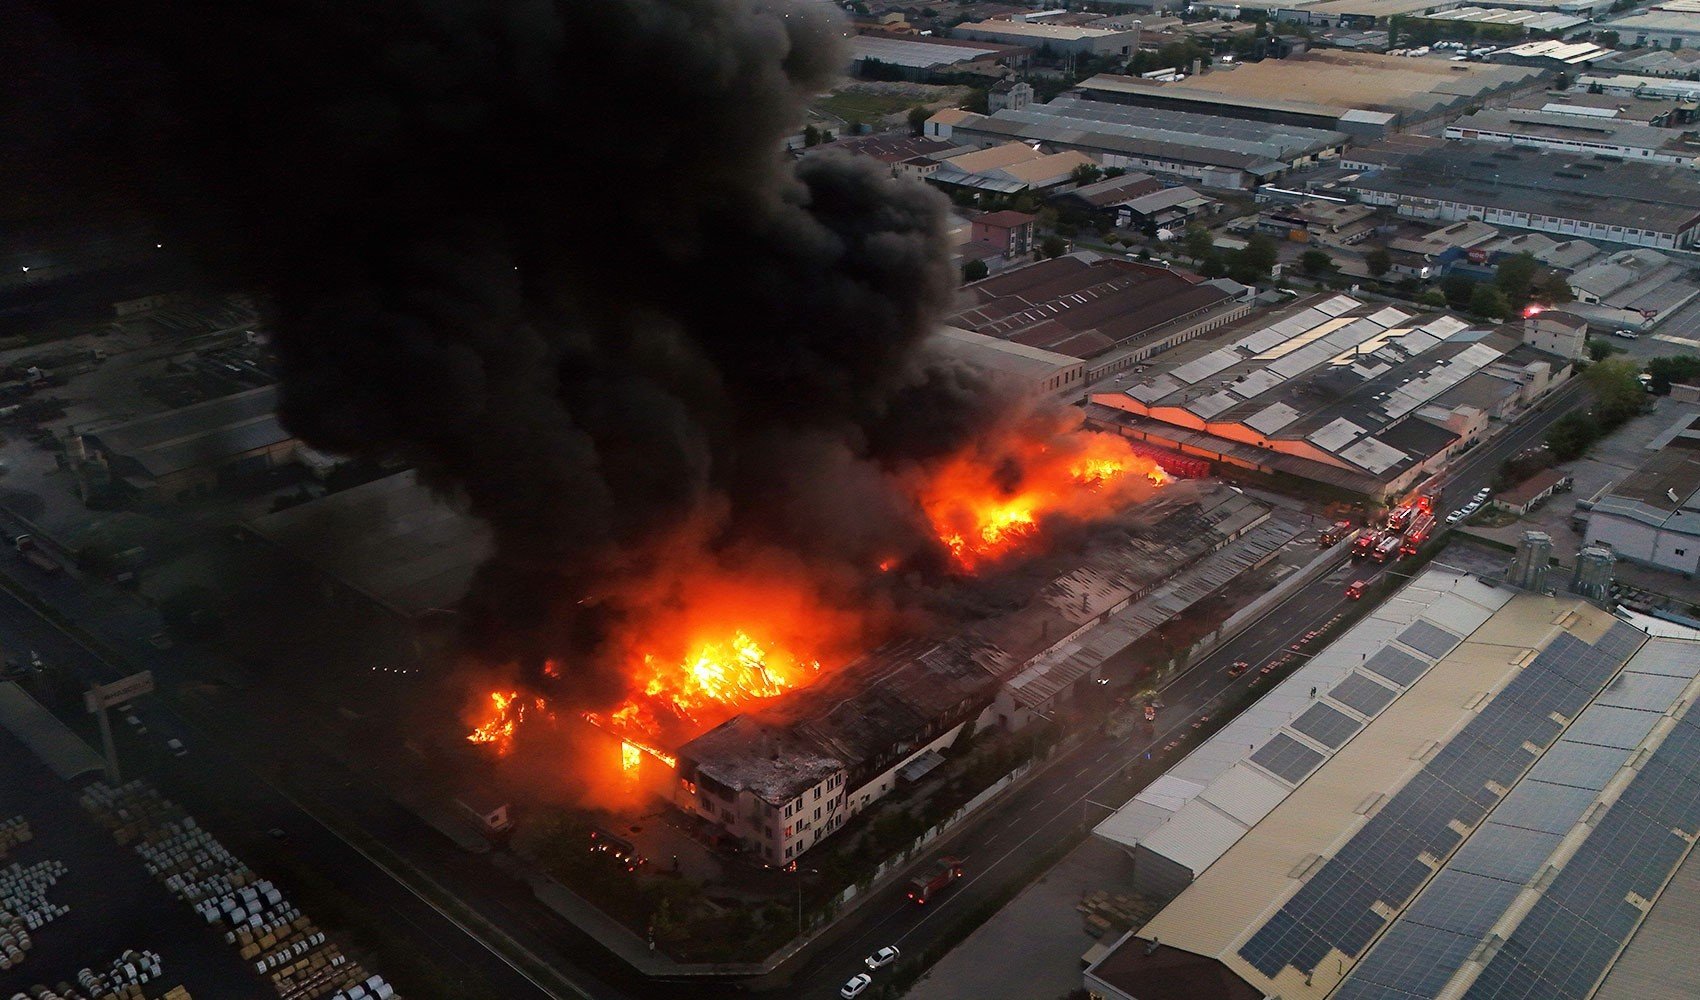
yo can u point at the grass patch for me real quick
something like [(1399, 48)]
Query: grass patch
[(863, 106)]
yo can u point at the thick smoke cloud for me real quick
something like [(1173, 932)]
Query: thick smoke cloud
[(552, 253)]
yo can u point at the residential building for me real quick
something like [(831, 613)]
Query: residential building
[(1009, 94), (1558, 333), (1010, 232), (1531, 493)]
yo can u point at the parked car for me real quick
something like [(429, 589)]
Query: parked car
[(1455, 517), (1239, 667), (1356, 590), (1482, 494), (856, 986), (1626, 334), (882, 958), (176, 747)]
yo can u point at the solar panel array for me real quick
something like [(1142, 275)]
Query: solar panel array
[(1287, 758), (1327, 726), (1428, 638), (1396, 665), (1362, 695), (1574, 931), (1384, 861), (1447, 923)]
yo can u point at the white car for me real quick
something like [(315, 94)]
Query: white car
[(857, 984), (882, 958), (1471, 508), (1482, 494), (1455, 517), (177, 748)]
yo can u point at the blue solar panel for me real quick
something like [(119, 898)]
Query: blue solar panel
[(1579, 765), (1287, 758), (1382, 862), (1361, 695), (1429, 639), (1326, 725)]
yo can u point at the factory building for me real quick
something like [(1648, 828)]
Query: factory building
[(1473, 792), (1362, 94), (1366, 399), (1035, 370), (921, 58), (1180, 145), (1652, 517), (1573, 132), (190, 451), (1059, 39), (1111, 312), (1572, 196), (782, 778), (1667, 24)]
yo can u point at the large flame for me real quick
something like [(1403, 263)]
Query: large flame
[(502, 717), (989, 501)]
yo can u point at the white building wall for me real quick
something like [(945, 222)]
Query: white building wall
[(1628, 539), (1438, 209)]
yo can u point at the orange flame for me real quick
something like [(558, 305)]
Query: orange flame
[(992, 500), (507, 711)]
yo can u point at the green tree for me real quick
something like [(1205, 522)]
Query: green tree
[(1257, 259), (1458, 289), (1514, 276), (1434, 298), (1086, 173), (1599, 350), (1052, 246), (1669, 370), (1571, 435), (1114, 172), (811, 136), (1316, 262), (1378, 262), (1198, 243), (1552, 288), (1606, 39), (1618, 395), (1212, 266), (1488, 301), (974, 270), (918, 116)]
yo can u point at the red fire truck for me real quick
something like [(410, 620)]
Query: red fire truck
[(1336, 532), (925, 887), (1386, 549), (1399, 518), (1421, 525), (1366, 543)]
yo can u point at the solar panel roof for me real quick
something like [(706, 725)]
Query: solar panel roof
[(1327, 726), (1579, 765), (1287, 758), (1396, 665), (1606, 726), (1428, 638), (1362, 695)]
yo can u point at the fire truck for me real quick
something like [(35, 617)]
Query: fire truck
[(1418, 533), (1336, 532), (925, 887), (1399, 519), (1387, 548), (1366, 543)]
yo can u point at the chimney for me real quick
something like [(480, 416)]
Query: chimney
[(1151, 946), (1197, 66)]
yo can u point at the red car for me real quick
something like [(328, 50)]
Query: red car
[(1150, 713), (1356, 590), (1239, 667)]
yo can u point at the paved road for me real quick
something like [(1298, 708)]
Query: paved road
[(1084, 784)]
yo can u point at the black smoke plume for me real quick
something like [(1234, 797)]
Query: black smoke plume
[(552, 252)]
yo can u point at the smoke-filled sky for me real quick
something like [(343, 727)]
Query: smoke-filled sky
[(552, 252)]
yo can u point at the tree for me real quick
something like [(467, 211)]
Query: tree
[(826, 135), (1552, 289), (1514, 276), (1052, 246), (1599, 350), (974, 270), (1212, 266), (918, 116), (1488, 301), (811, 136), (1378, 262), (1086, 173), (1316, 262), (1433, 298), (1260, 254), (1618, 395), (1198, 243), (1570, 436), (1669, 370), (1114, 172), (1606, 39), (1458, 289)]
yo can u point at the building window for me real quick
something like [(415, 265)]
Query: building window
[(817, 808), (1681, 552), (817, 793), (788, 832), (787, 852)]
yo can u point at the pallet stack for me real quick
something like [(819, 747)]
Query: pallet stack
[(279, 940), (13, 832), (122, 981)]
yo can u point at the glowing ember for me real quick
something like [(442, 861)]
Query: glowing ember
[(507, 711), (724, 673), (630, 757)]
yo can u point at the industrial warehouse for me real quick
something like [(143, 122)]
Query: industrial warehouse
[(1363, 398), (1486, 794), (782, 778)]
